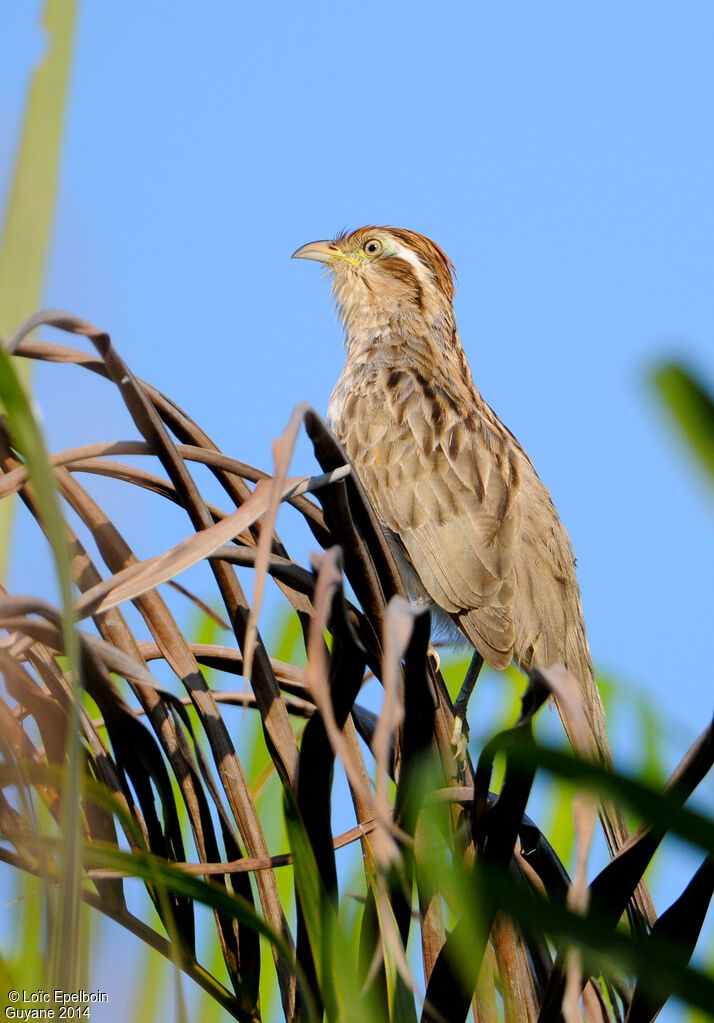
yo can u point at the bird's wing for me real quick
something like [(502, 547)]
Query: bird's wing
[(450, 490)]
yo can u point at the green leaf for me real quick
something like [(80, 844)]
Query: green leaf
[(24, 248), (652, 959), (334, 959), (64, 959), (170, 878), (661, 809), (690, 406), (30, 205)]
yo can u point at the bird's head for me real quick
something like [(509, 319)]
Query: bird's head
[(383, 274)]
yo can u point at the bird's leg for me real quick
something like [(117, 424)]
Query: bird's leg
[(458, 738)]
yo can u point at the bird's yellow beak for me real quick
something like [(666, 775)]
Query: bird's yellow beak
[(323, 252)]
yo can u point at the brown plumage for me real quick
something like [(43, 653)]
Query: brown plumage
[(473, 526)]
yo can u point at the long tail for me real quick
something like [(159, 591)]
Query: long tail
[(641, 911)]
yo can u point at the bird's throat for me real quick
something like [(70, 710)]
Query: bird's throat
[(429, 350)]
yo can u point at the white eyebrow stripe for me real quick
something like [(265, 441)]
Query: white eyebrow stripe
[(410, 256)]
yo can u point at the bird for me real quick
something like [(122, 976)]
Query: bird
[(474, 529)]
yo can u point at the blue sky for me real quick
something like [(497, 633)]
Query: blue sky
[(562, 154)]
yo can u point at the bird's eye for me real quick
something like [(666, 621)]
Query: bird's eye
[(373, 247)]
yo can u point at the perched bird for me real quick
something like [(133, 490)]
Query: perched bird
[(475, 530)]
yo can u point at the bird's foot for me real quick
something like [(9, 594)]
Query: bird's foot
[(433, 654), (460, 734), (460, 739)]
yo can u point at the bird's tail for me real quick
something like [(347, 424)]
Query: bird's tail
[(641, 911)]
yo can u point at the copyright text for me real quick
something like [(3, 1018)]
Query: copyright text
[(57, 1004)]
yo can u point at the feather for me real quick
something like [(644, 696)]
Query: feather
[(473, 525)]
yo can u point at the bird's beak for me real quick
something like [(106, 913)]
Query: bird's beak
[(323, 252)]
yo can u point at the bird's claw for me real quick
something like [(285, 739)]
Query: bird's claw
[(460, 738), (433, 654)]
